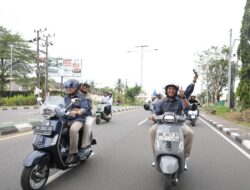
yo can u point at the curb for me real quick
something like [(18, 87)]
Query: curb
[(229, 132), (19, 108), (23, 127)]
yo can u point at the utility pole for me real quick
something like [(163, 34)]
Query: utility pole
[(231, 73), (229, 97), (38, 72), (11, 55), (47, 44)]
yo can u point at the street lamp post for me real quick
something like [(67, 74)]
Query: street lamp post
[(141, 47), (142, 52), (11, 58)]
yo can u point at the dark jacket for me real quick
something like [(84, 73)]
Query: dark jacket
[(83, 105), (167, 105)]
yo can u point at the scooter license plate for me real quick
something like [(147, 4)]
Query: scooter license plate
[(170, 137), (43, 130)]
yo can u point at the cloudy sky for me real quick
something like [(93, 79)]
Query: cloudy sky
[(101, 32)]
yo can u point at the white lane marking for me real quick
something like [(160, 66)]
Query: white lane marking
[(142, 122), (227, 139), (57, 175), (14, 136)]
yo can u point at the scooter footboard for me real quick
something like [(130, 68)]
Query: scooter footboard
[(34, 157), (169, 164)]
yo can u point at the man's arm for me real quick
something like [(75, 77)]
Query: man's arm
[(190, 88)]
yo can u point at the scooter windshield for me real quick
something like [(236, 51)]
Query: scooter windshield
[(56, 101)]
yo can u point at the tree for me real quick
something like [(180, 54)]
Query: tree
[(132, 92), (13, 45), (243, 89), (119, 86), (119, 91), (213, 68)]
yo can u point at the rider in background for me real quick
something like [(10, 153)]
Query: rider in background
[(106, 100), (84, 90), (77, 118), (192, 100), (110, 102), (157, 99)]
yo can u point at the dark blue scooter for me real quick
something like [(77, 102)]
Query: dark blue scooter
[(51, 145)]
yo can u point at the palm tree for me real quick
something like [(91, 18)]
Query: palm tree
[(119, 86)]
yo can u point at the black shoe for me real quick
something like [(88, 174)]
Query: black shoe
[(72, 159), (86, 149)]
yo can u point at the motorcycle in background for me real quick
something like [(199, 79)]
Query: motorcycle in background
[(193, 113), (102, 113)]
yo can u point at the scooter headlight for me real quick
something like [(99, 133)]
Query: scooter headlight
[(48, 112), (169, 119)]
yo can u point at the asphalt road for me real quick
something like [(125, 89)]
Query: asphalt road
[(123, 160), (10, 117)]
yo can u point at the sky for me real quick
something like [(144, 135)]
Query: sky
[(105, 34)]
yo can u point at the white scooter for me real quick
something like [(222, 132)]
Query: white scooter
[(192, 113), (169, 147)]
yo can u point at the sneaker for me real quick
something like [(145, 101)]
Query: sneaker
[(153, 164), (72, 159), (185, 165)]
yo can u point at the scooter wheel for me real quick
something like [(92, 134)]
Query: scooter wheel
[(193, 123), (168, 182), (35, 177), (97, 120)]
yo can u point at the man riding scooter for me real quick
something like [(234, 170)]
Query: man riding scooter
[(192, 100), (78, 118), (174, 104), (107, 99), (157, 99)]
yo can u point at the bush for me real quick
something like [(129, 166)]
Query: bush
[(18, 100)]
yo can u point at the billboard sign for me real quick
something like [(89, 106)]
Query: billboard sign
[(65, 67)]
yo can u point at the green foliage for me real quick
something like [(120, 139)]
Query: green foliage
[(131, 93), (213, 69), (18, 100), (218, 110), (15, 47), (243, 89), (119, 86)]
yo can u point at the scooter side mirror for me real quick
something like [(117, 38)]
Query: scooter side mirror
[(146, 107)]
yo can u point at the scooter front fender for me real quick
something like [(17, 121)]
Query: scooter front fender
[(169, 164), (97, 114), (34, 157)]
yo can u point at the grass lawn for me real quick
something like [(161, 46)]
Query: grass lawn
[(242, 118)]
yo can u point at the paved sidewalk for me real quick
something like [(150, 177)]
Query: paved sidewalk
[(27, 126), (236, 131)]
